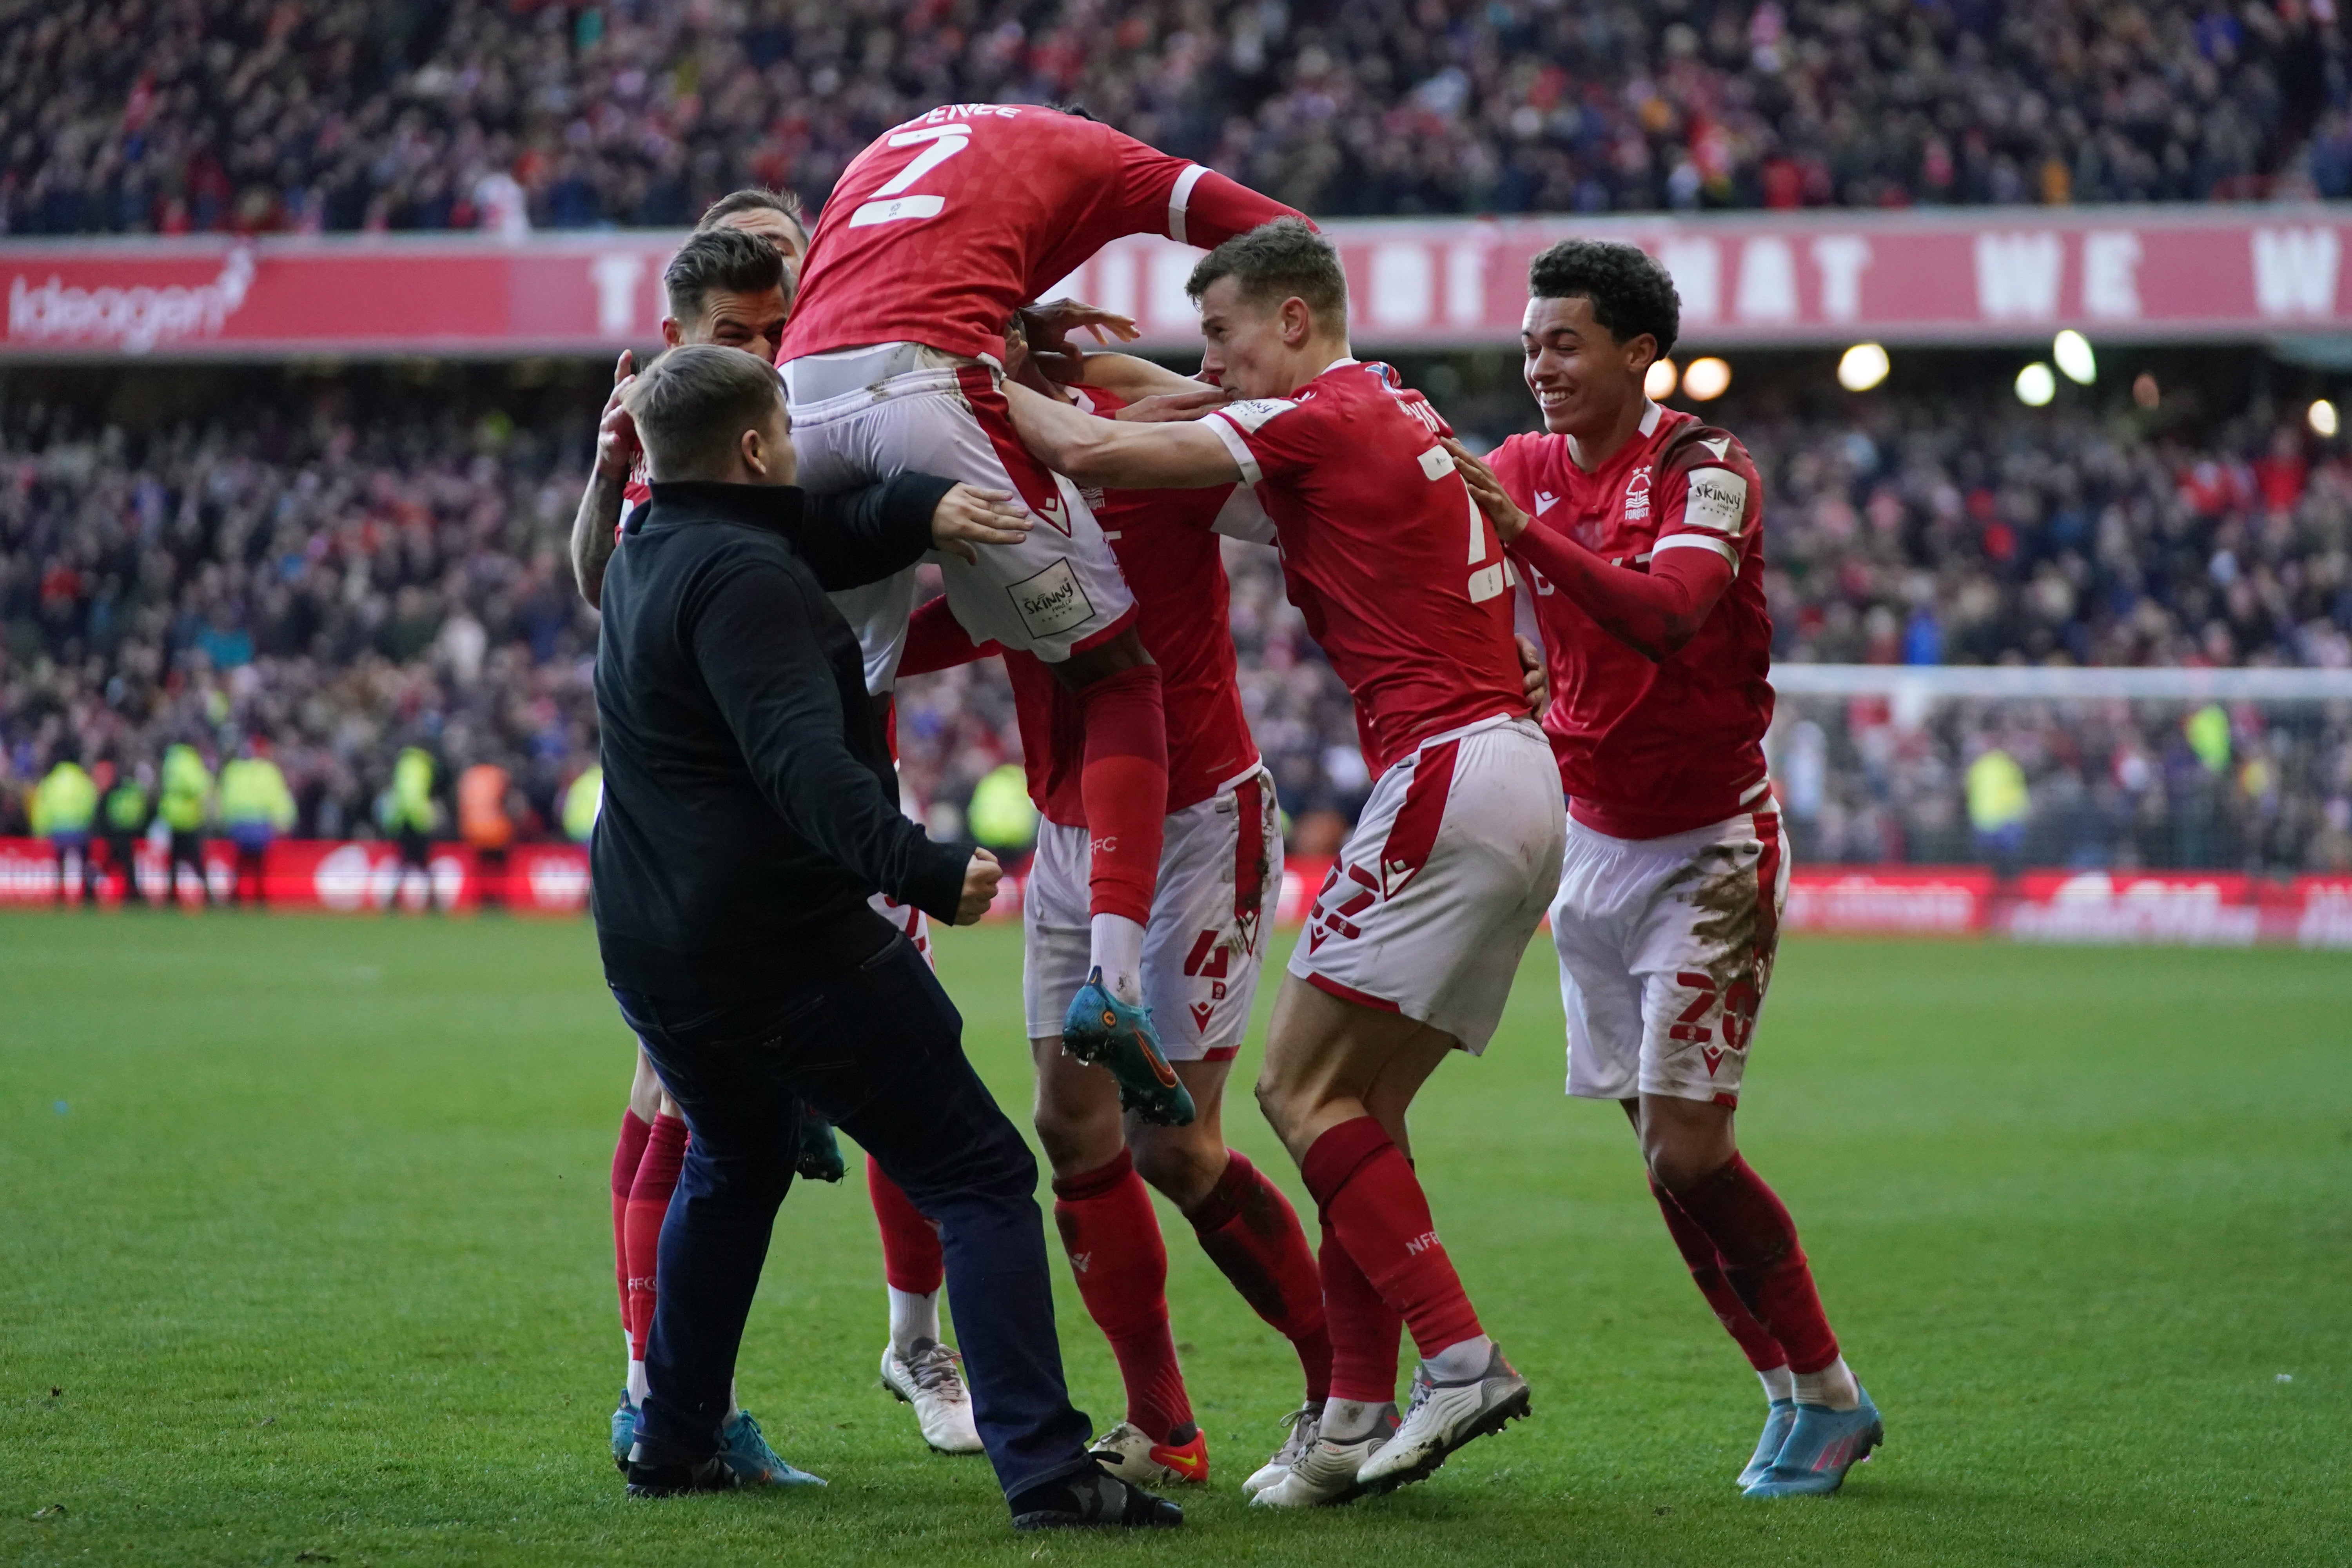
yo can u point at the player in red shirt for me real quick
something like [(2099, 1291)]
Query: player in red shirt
[(1415, 938), (894, 359), (1646, 558), (1218, 877)]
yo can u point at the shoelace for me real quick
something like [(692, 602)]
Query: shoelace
[(935, 1371), (1423, 1387), (1303, 1422)]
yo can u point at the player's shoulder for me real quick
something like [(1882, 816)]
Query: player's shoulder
[(1692, 444), (1526, 454)]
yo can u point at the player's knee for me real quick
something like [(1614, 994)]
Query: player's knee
[(1181, 1161), (1681, 1157), (1075, 1138)]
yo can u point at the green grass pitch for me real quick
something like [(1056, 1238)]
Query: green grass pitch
[(306, 1256)]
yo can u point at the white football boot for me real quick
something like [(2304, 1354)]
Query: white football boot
[(1325, 1473), (1128, 1452), (1441, 1418), (1306, 1425), (932, 1380)]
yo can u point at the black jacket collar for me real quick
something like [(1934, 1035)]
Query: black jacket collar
[(776, 508)]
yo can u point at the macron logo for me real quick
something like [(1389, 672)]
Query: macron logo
[(1719, 445), (1545, 501)]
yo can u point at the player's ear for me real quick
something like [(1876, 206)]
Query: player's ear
[(671, 336), (1297, 322)]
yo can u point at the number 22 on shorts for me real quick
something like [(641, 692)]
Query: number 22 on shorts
[(890, 204)]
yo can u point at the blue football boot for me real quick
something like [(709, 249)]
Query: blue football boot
[(1102, 1030), (1822, 1445), (745, 1454), (625, 1431), (1778, 1417)]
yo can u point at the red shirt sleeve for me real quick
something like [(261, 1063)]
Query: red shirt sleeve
[(1269, 438), (935, 640), (1709, 500), (1652, 613), (1185, 201)]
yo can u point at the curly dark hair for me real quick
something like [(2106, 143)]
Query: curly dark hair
[(1631, 293), (1274, 262), (725, 259)]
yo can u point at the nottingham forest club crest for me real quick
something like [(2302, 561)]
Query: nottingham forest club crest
[(1637, 495)]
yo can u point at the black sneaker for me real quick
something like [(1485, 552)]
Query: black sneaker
[(1093, 1500), (711, 1475)]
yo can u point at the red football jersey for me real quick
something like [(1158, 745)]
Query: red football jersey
[(1646, 748), (1397, 572), (943, 227), (1166, 542)]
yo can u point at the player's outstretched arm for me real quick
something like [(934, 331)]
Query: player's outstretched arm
[(1117, 454), (1654, 614), (599, 513)]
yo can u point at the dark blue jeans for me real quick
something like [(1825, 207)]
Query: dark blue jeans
[(878, 1049)]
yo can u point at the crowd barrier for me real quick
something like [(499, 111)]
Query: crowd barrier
[(2219, 909)]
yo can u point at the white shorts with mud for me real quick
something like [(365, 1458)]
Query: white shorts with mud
[(865, 413), (1220, 873), (1430, 905), (1665, 953)]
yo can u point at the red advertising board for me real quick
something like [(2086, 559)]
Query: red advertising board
[(2181, 908), (1974, 275), (1950, 900)]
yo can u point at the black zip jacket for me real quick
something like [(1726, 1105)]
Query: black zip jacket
[(749, 803)]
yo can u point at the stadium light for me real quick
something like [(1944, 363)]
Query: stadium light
[(1862, 367), (2072, 351), (1660, 382), (1704, 380), (2322, 418), (2036, 385)]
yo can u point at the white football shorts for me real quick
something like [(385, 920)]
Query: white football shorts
[(1665, 953), (1220, 873), (863, 415), (1430, 905)]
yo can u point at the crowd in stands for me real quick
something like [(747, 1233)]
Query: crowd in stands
[(355, 568), (257, 115)]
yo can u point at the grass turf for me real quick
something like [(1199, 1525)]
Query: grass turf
[(306, 1259)]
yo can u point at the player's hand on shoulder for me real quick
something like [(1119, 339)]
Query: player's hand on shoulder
[(1536, 681), (1169, 406), (616, 433), (1486, 490), (980, 879), (969, 516)]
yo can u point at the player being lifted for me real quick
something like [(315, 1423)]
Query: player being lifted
[(1646, 558), (1413, 943), (1218, 876), (935, 234)]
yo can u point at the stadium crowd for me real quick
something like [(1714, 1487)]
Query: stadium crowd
[(366, 570), (167, 116)]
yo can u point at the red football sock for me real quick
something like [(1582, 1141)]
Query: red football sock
[(1763, 1352), (1374, 1203), (627, 1154), (1250, 1231), (1762, 1262), (911, 1259), (648, 1204), (1113, 1239), (1364, 1328), (1124, 787)]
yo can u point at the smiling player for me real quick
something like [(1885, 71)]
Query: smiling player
[(1646, 559)]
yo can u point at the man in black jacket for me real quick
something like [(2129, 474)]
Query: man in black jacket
[(750, 810)]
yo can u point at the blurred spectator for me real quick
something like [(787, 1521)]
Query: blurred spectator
[(186, 807), (255, 807), (166, 116), (63, 810), (126, 810)]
